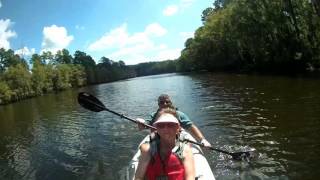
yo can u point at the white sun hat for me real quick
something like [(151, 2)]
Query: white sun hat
[(167, 118)]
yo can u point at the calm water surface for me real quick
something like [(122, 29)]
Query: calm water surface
[(52, 137)]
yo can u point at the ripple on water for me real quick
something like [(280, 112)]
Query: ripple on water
[(52, 137)]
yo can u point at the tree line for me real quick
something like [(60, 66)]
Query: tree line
[(48, 72), (272, 36), (53, 72), (268, 36)]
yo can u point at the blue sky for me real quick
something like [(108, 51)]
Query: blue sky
[(132, 31)]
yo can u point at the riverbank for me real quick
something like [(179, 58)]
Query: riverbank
[(310, 75)]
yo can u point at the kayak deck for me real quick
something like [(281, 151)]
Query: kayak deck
[(202, 168)]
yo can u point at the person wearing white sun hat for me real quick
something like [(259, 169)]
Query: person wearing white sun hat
[(165, 157), (166, 118), (164, 101)]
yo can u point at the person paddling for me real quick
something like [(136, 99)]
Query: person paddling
[(165, 157), (164, 101)]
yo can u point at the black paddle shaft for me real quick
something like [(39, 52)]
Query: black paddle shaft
[(235, 155), (90, 102)]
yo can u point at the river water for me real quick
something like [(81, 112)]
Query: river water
[(52, 137)]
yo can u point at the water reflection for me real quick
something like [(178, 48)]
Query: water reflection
[(52, 137)]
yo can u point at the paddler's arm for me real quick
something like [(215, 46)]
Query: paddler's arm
[(140, 123), (143, 162), (187, 124), (196, 133), (188, 163), (145, 121)]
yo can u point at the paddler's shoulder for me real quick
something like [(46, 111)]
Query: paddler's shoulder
[(145, 147)]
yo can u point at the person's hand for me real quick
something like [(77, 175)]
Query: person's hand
[(205, 143), (141, 123)]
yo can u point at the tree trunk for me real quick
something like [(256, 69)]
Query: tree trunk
[(293, 17), (316, 5)]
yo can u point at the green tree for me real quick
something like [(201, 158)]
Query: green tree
[(106, 61), (244, 35), (7, 59), (36, 59), (122, 64), (78, 76), (39, 75), (206, 13), (50, 71), (5, 93), (47, 57), (63, 57), (83, 59), (62, 77), (18, 78)]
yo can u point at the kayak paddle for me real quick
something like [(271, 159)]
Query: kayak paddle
[(235, 155), (91, 103)]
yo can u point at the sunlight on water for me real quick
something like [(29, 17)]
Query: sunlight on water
[(52, 137)]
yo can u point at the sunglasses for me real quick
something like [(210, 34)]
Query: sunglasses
[(165, 102), (166, 125)]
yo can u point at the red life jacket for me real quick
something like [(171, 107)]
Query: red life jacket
[(169, 169)]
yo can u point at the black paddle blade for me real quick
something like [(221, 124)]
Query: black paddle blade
[(90, 102), (242, 155)]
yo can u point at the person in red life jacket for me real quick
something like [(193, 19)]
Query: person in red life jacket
[(164, 102), (164, 157)]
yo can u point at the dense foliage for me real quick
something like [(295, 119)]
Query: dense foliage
[(151, 68), (280, 36), (51, 72)]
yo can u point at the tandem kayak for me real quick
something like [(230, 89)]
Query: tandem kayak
[(202, 168)]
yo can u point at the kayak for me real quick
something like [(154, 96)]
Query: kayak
[(202, 168)]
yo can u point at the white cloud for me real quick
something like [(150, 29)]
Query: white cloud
[(186, 3), (116, 38), (5, 33), (55, 38), (141, 53), (155, 29), (163, 46), (170, 10), (168, 54), (136, 49), (174, 8), (120, 38), (124, 46), (0, 4), (25, 51)]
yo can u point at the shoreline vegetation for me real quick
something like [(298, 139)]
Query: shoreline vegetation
[(243, 36)]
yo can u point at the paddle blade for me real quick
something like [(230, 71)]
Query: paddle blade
[(247, 155), (90, 102)]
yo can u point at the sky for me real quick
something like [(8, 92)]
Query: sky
[(133, 31)]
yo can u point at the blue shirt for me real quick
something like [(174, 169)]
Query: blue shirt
[(184, 120)]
